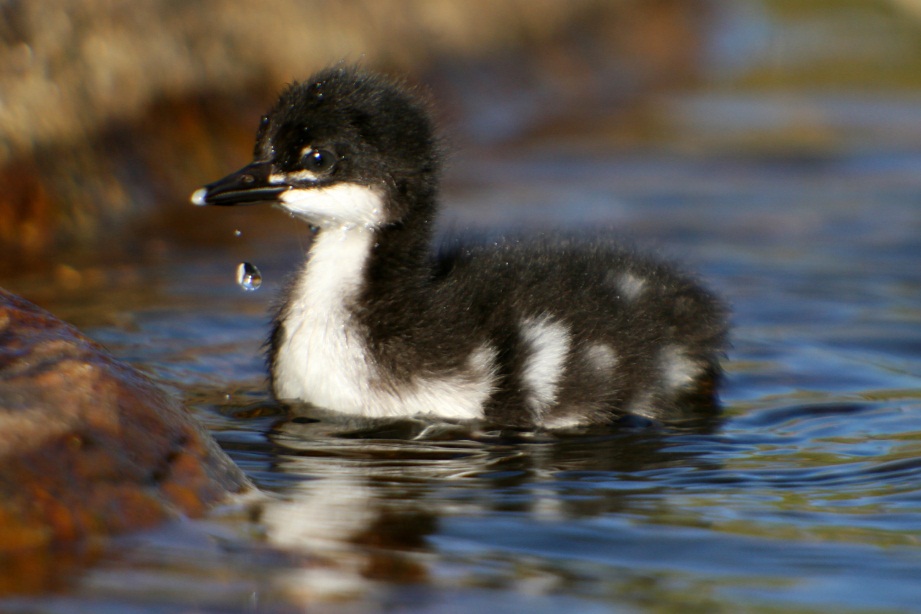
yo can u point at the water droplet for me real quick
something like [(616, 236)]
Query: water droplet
[(238, 233), (248, 276)]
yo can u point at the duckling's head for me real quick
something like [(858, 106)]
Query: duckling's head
[(344, 148)]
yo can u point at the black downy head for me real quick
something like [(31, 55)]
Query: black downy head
[(343, 148)]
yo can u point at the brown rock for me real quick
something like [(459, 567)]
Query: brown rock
[(90, 447)]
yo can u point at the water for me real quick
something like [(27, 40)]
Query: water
[(806, 497)]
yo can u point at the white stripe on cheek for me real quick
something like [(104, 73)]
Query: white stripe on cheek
[(287, 178), (341, 204)]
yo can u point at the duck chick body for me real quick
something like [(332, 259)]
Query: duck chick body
[(548, 332)]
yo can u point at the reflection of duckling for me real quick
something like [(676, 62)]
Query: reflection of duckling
[(544, 333)]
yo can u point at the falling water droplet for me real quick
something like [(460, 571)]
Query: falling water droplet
[(248, 276)]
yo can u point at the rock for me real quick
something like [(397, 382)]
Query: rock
[(89, 446)]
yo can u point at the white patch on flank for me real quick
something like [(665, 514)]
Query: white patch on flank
[(601, 356), (630, 285), (341, 204), (565, 422), (460, 396), (322, 357), (548, 346), (643, 405), (678, 371)]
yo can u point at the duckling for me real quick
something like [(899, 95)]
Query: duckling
[(533, 333)]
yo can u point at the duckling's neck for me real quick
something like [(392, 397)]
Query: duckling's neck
[(359, 283), (335, 271), (358, 249)]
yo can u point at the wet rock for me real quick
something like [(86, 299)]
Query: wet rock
[(89, 446)]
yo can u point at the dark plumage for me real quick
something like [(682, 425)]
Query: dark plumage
[(546, 332)]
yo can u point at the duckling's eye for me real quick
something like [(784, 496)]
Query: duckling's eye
[(318, 160)]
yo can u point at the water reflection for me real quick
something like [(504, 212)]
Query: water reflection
[(400, 501), (353, 470)]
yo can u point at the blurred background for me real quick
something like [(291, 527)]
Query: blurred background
[(772, 145), (113, 111)]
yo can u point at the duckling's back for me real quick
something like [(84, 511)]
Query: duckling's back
[(583, 331)]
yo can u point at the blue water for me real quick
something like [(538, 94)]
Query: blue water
[(805, 498)]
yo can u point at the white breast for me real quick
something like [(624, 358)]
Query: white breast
[(321, 358), (322, 355)]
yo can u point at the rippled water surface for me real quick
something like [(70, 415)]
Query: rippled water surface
[(805, 498)]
